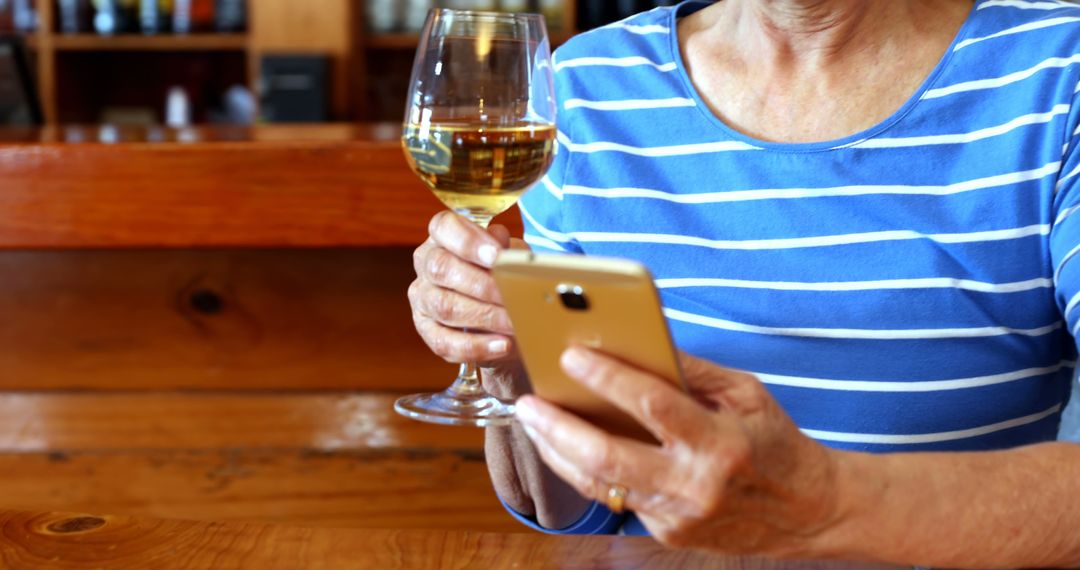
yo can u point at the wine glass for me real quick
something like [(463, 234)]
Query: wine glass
[(479, 130)]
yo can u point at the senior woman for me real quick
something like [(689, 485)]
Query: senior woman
[(859, 214)]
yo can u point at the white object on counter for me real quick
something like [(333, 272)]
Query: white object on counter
[(177, 108)]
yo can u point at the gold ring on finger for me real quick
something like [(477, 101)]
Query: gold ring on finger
[(616, 498)]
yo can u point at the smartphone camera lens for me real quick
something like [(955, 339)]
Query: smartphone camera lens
[(573, 297)]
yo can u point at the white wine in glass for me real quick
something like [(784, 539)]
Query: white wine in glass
[(479, 131), (477, 171)]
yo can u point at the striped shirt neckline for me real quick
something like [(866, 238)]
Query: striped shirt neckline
[(679, 68)]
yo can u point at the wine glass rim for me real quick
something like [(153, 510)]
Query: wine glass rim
[(506, 16)]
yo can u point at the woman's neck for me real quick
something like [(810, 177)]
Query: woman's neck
[(813, 70), (810, 18), (813, 31)]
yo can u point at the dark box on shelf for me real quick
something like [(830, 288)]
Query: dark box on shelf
[(293, 88)]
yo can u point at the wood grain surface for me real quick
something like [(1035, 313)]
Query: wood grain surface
[(57, 540), (319, 423), (314, 459), (387, 489), (220, 320), (251, 385), (318, 189), (142, 377)]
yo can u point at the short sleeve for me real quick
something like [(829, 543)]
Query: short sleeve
[(542, 206), (1065, 229), (598, 519)]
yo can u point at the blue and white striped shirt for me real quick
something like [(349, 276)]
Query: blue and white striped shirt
[(908, 288)]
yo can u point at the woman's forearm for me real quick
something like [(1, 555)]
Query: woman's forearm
[(520, 478), (1006, 509), (527, 485)]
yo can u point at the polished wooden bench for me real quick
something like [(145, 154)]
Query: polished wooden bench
[(212, 324)]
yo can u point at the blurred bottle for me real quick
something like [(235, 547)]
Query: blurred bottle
[(202, 15), (240, 106), (7, 16), (553, 13), (481, 5), (76, 16), (106, 17), (384, 16), (231, 15), (514, 5), (181, 17), (129, 21), (114, 16), (25, 16), (177, 108), (415, 15), (153, 16)]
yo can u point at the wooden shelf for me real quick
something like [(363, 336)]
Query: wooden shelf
[(193, 42), (361, 62)]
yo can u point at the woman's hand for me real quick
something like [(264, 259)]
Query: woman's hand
[(733, 474), (455, 305)]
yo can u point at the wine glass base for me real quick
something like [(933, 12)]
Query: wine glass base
[(449, 408)]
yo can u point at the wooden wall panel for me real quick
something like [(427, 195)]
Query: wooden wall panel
[(150, 320), (113, 196)]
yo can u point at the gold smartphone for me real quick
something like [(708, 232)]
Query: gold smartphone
[(607, 304)]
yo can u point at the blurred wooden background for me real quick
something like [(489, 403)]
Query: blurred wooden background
[(80, 74), (206, 381)]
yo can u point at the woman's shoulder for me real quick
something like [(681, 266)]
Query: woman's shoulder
[(631, 58), (642, 35), (1025, 50), (1041, 26)]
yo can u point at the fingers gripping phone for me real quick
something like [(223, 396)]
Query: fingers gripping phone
[(607, 304)]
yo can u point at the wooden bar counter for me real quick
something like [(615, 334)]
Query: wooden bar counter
[(271, 186), (211, 324), (60, 541)]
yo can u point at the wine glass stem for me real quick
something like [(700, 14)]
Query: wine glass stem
[(478, 219), (468, 382)]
